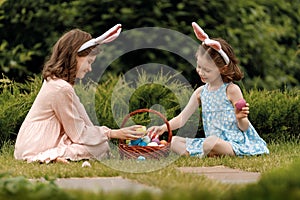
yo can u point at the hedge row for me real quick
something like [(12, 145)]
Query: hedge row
[(263, 33), (275, 114)]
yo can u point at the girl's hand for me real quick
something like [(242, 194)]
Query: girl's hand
[(128, 133), (242, 117), (156, 131), (240, 114)]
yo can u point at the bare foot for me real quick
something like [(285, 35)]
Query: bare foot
[(61, 160)]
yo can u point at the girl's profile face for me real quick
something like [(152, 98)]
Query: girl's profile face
[(207, 70), (84, 65)]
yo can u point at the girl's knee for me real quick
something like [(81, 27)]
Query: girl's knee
[(214, 146), (209, 144), (178, 145), (175, 139)]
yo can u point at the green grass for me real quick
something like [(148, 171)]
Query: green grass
[(173, 183)]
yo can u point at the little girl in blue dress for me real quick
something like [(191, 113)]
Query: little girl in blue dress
[(227, 128)]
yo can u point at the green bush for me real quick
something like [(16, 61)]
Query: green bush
[(281, 183), (274, 114), (22, 188), (114, 97), (16, 100), (160, 92), (263, 33)]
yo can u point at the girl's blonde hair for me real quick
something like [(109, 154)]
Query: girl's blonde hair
[(62, 62), (231, 71)]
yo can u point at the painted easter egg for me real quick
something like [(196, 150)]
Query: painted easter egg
[(143, 129), (146, 139), (135, 142), (240, 104), (152, 144), (141, 158), (142, 143), (163, 142), (155, 140)]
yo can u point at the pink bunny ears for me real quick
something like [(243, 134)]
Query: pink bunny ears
[(202, 36), (106, 37)]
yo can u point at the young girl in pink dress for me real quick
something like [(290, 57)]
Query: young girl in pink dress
[(227, 129), (57, 127)]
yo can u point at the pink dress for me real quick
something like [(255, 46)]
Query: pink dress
[(57, 125)]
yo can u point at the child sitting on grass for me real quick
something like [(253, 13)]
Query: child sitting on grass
[(57, 127), (227, 128)]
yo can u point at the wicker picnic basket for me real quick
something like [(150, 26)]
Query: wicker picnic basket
[(149, 152)]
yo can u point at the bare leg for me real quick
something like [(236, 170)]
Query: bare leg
[(178, 145), (214, 146)]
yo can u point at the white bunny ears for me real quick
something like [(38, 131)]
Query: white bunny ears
[(202, 36), (106, 37)]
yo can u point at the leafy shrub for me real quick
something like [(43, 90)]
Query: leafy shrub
[(264, 33), (16, 100), (274, 114), (21, 188), (281, 183), (115, 97)]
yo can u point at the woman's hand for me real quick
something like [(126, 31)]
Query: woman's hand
[(156, 131), (127, 133)]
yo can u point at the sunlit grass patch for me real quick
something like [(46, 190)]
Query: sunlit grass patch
[(279, 167)]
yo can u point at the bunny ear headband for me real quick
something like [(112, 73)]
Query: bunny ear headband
[(106, 37), (202, 36)]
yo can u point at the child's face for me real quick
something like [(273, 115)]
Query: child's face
[(84, 65), (207, 70)]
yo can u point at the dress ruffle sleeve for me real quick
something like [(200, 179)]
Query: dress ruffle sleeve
[(77, 126)]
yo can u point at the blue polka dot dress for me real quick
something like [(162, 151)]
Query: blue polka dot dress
[(219, 120)]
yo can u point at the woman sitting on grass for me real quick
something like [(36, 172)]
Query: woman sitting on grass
[(227, 128), (57, 127)]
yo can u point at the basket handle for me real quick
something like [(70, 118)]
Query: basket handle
[(150, 111)]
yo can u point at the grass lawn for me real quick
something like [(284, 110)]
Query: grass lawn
[(283, 162)]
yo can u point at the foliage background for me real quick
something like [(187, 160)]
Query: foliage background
[(264, 33), (274, 113)]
